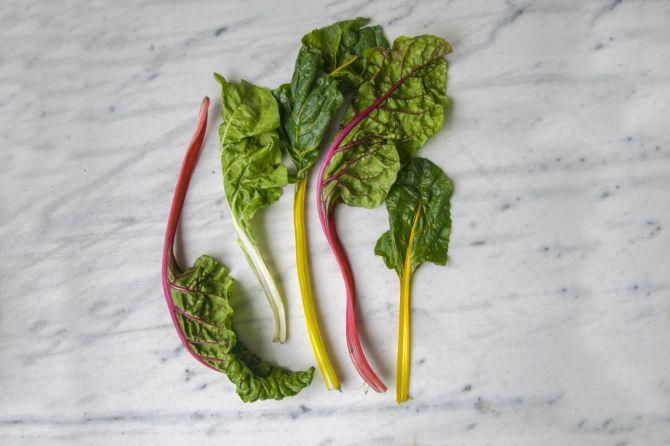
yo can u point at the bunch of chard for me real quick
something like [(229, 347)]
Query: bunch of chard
[(396, 97)]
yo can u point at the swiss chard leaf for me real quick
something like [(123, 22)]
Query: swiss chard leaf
[(415, 110), (329, 61), (307, 106), (201, 296), (253, 174), (396, 110), (343, 44), (419, 217)]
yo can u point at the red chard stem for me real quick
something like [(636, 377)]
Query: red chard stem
[(169, 265)]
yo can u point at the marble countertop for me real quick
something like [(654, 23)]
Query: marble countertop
[(549, 326)]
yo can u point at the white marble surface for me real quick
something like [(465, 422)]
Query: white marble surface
[(550, 325)]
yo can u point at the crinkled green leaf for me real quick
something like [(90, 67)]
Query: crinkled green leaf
[(205, 317), (329, 60), (253, 174), (257, 379), (370, 155), (361, 175), (415, 111), (342, 46), (419, 210), (307, 106)]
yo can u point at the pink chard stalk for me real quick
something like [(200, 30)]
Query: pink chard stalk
[(326, 208), (170, 269)]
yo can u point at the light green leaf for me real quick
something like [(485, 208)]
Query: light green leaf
[(329, 60), (253, 173), (419, 217), (202, 296), (248, 110)]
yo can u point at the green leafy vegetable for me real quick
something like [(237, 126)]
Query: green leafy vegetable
[(202, 298), (397, 108), (330, 59), (328, 62), (420, 225), (253, 174), (361, 174), (307, 106), (199, 303), (415, 110), (342, 46)]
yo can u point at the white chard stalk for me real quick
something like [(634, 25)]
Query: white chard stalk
[(253, 174), (262, 272)]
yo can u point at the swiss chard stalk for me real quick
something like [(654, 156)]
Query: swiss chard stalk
[(396, 109), (328, 61), (420, 225), (253, 174), (198, 299)]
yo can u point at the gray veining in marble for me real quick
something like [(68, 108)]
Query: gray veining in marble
[(549, 326)]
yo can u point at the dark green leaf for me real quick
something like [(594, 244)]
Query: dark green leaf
[(343, 45), (307, 106), (419, 210), (329, 60), (205, 317), (360, 175)]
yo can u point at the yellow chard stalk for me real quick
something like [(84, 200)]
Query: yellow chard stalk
[(403, 362), (302, 260), (419, 217)]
